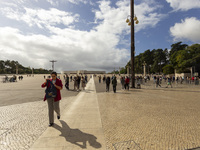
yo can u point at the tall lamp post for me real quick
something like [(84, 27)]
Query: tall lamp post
[(133, 19), (53, 61)]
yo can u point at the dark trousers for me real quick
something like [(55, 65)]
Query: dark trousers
[(67, 85), (107, 87), (158, 84), (126, 86), (114, 88)]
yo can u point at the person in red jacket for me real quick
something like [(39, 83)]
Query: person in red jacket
[(127, 80), (53, 102)]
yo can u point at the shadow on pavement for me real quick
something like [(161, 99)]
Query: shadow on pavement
[(75, 135)]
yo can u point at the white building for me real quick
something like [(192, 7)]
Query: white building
[(83, 72)]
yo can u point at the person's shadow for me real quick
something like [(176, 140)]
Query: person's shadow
[(75, 135)]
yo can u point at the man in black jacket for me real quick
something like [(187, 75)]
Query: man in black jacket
[(107, 84), (114, 83)]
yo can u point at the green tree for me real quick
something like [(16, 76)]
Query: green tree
[(148, 57), (168, 69), (160, 59), (188, 57), (123, 70), (174, 52), (138, 64)]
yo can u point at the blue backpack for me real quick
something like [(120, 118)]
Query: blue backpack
[(50, 91)]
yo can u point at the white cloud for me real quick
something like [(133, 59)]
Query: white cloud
[(114, 18), (53, 2), (56, 2), (184, 5), (96, 48), (40, 17), (188, 29), (75, 49), (78, 1)]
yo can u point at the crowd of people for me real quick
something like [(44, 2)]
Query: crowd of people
[(113, 80), (12, 79), (80, 81), (141, 80)]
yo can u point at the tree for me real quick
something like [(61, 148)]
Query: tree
[(159, 59), (9, 67), (188, 57), (123, 70), (138, 64), (168, 69), (174, 52), (147, 56)]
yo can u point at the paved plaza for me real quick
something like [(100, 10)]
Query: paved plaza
[(139, 119)]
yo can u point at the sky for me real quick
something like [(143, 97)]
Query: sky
[(91, 34)]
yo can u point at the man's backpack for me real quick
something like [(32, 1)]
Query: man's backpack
[(50, 91)]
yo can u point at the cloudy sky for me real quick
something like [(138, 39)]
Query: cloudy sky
[(91, 34)]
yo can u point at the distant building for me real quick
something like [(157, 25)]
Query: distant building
[(83, 72)]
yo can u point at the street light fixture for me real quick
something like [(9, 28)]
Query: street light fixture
[(131, 19), (129, 22)]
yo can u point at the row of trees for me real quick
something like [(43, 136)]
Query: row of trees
[(9, 67), (180, 57)]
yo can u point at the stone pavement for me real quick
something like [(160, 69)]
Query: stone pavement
[(80, 126), (149, 119)]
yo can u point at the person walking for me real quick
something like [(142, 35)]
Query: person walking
[(127, 80), (104, 79), (107, 84), (53, 100), (78, 83), (158, 81), (169, 82), (122, 82), (70, 78), (86, 78), (83, 83), (75, 83), (114, 83), (67, 82), (100, 79)]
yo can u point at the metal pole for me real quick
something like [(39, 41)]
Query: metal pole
[(53, 64), (132, 47)]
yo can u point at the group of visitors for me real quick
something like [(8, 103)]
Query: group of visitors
[(125, 82), (20, 77), (12, 79), (158, 81), (112, 80), (169, 80), (79, 80)]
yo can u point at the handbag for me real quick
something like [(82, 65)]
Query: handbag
[(50, 91)]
